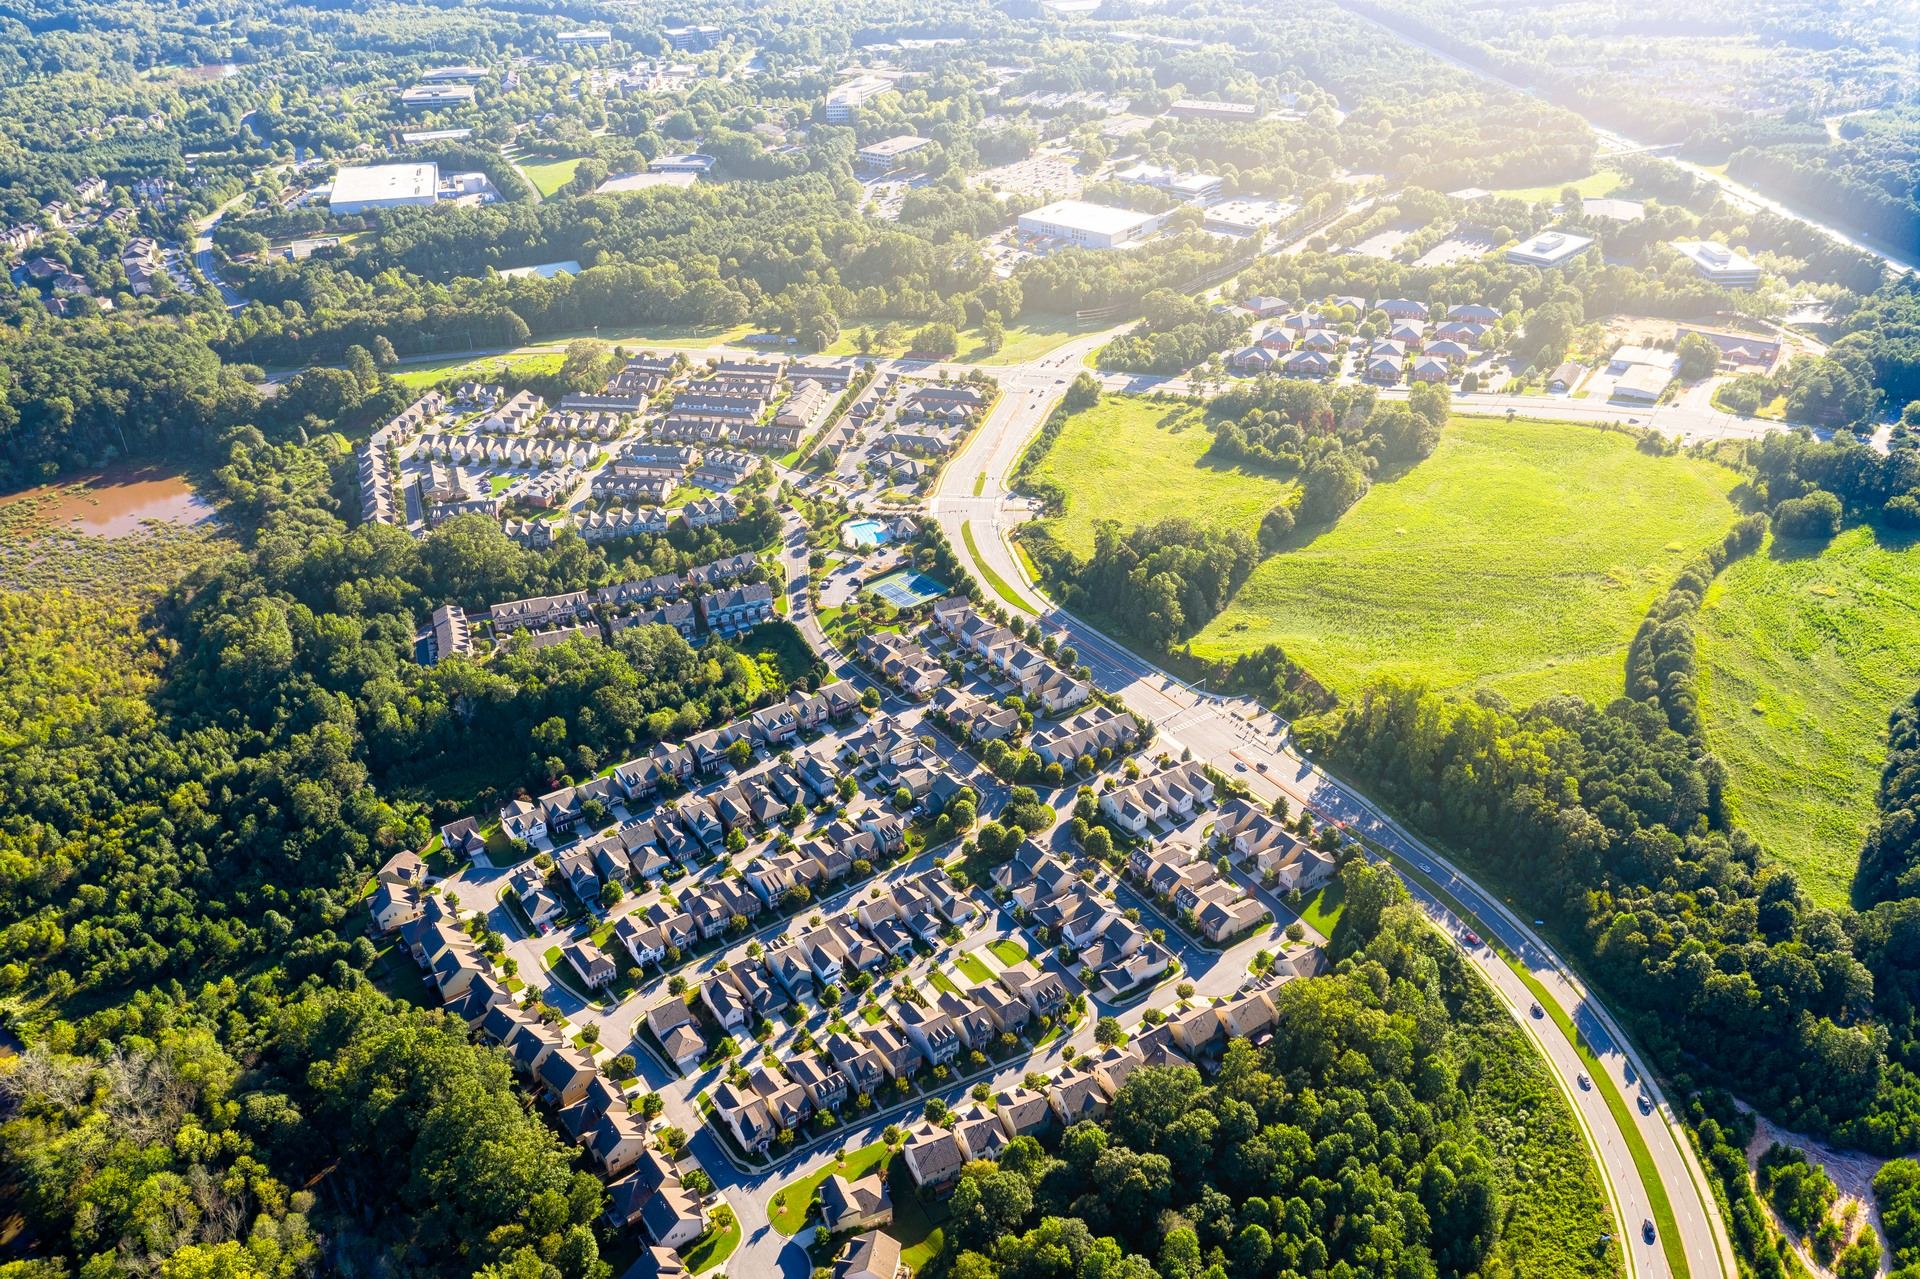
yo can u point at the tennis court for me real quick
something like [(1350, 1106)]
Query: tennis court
[(907, 589)]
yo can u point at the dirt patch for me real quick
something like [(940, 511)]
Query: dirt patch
[(1852, 1171)]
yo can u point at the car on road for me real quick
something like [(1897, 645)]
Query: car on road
[(1646, 1104), (1239, 766), (1586, 1085), (1471, 938), (1537, 1012), (1646, 1230)]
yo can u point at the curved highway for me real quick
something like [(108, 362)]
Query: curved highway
[(975, 511)]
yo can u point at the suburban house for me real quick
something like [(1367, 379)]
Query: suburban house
[(672, 1025), (873, 1255), (1076, 1095), (671, 1216), (590, 962), (1023, 1112), (855, 1205), (1172, 794), (979, 1131), (934, 1157), (617, 1141)]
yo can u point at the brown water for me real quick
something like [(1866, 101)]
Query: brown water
[(117, 503)]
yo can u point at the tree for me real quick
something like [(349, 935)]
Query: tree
[(1107, 1031), (1698, 357), (938, 339)]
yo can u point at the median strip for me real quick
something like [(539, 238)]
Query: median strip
[(997, 584)]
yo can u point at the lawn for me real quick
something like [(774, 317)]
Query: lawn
[(1520, 557), (970, 967), (941, 982), (1008, 951), (1033, 337), (712, 1248), (1802, 657), (550, 175), (1136, 461), (1592, 186), (787, 1210), (426, 373), (1323, 909)]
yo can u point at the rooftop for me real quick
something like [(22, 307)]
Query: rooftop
[(358, 182), (1095, 219)]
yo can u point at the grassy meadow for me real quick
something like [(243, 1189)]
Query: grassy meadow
[(1803, 653), (550, 174), (1521, 556), (1136, 461)]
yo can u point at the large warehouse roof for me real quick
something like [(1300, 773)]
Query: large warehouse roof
[(369, 183), (1093, 219)]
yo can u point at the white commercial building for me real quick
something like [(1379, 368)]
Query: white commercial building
[(437, 95), (880, 157), (1090, 226), (359, 187), (845, 101), (1718, 263), (1550, 249)]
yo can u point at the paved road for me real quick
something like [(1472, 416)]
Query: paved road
[(203, 254), (1245, 741)]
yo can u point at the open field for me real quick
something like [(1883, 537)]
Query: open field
[(1598, 183), (1521, 557), (550, 175), (1135, 461), (1802, 657), (428, 373), (1031, 338)]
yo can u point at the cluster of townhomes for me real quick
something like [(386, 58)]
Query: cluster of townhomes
[(900, 429), (645, 1188), (721, 598), (1303, 343), (926, 1032), (483, 451), (1042, 685), (935, 1153), (1061, 910)]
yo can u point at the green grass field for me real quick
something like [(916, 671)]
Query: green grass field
[(1135, 461), (968, 965), (550, 175), (1521, 556), (1592, 186), (1802, 658), (1033, 337)]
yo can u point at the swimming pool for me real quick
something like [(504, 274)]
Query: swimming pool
[(863, 534), (907, 589)]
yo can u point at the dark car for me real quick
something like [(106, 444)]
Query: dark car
[(1646, 1230), (1537, 1012)]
